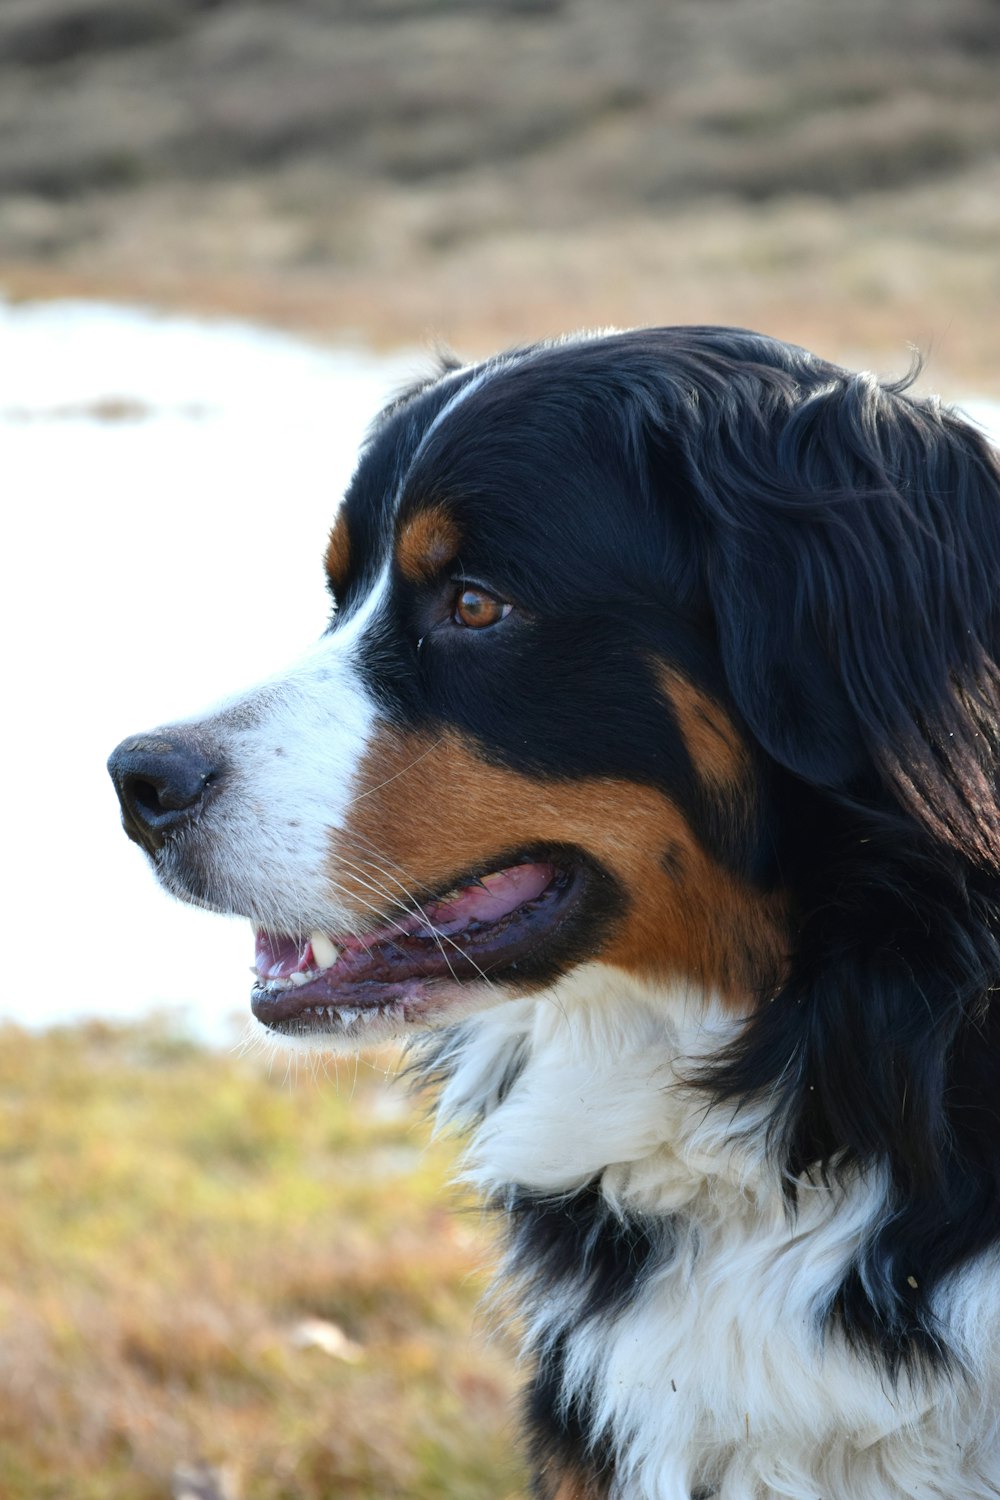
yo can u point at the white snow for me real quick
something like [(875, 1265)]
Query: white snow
[(150, 564)]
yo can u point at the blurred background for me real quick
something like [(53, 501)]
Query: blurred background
[(493, 171), (228, 232)]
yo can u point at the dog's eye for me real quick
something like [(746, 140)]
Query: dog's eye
[(475, 608)]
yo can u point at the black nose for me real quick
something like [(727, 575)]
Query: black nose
[(161, 784)]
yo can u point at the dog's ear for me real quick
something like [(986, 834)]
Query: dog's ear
[(850, 542), (853, 565)]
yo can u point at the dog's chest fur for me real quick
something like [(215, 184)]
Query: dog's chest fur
[(673, 1302)]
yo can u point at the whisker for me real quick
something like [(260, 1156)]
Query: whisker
[(382, 860), (396, 774), (348, 894), (384, 891), (440, 937)]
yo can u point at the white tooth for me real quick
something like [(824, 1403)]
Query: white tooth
[(298, 978), (347, 1015), (324, 952)]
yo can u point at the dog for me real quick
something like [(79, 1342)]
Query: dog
[(647, 775)]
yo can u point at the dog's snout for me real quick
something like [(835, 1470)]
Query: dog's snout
[(161, 784)]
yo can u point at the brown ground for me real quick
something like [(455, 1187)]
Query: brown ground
[(400, 170)]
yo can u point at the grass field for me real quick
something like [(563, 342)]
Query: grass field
[(215, 1273)]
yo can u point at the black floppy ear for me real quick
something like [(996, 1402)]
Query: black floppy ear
[(851, 549), (854, 571)]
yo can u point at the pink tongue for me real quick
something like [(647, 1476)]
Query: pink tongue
[(495, 896), (276, 957)]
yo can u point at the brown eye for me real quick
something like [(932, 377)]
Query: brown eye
[(476, 609)]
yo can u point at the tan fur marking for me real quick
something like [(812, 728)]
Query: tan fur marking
[(716, 750), (428, 541), (429, 810), (338, 553)]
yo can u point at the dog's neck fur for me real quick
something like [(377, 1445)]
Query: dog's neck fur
[(704, 1360)]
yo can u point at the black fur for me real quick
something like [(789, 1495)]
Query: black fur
[(575, 1244), (579, 1240), (562, 1433)]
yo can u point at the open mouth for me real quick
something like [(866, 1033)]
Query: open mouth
[(406, 969)]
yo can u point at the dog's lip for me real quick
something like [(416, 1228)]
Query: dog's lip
[(483, 927)]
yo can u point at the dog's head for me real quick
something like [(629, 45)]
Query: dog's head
[(643, 646)]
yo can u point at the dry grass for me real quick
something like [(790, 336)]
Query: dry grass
[(861, 283), (172, 1216)]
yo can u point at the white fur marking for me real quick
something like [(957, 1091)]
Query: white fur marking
[(290, 748), (718, 1377)]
